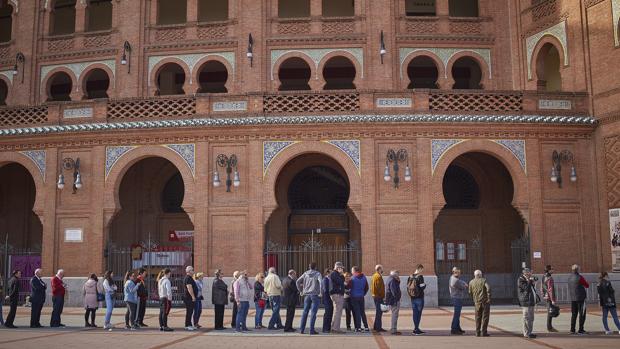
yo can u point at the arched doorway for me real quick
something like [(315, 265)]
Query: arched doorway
[(548, 69), (21, 232), (478, 228), (313, 221), (151, 230)]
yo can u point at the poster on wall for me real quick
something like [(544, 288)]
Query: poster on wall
[(614, 232)]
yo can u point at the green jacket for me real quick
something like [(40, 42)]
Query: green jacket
[(480, 291)]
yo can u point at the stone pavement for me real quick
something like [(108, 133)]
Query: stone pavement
[(505, 332)]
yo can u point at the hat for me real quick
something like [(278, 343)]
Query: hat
[(338, 265)]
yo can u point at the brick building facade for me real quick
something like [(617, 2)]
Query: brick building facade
[(311, 96)]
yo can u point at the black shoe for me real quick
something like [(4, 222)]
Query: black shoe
[(582, 332), (313, 332), (9, 326), (143, 325), (358, 330), (461, 330), (532, 336), (168, 329), (418, 332), (62, 325), (486, 335), (127, 327), (572, 333), (456, 332), (478, 334)]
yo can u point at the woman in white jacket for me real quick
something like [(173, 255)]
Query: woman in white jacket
[(109, 289), (164, 288)]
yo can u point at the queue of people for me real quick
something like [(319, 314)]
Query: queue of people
[(337, 290)]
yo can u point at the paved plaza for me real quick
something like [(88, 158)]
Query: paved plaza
[(505, 329)]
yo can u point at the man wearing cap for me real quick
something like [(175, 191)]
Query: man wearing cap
[(528, 299), (337, 294)]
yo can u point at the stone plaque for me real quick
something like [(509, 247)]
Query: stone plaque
[(230, 106), (394, 103), (73, 235), (563, 104), (74, 113)]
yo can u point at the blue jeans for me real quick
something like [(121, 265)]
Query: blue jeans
[(614, 315), (258, 318), (1, 318), (311, 304), (109, 306), (197, 311), (242, 314), (378, 314), (456, 318), (418, 305), (275, 320)]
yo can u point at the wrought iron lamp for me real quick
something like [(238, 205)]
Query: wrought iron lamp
[(126, 58), (382, 50), (228, 163), (19, 59), (395, 157), (69, 164), (566, 157), (250, 52)]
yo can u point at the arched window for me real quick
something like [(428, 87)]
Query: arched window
[(4, 92), (548, 69), (60, 86), (294, 74), (212, 77), (420, 8), (97, 84), (212, 10), (463, 8), (171, 12), (338, 8), (422, 73), (293, 8), (466, 73), (62, 18), (339, 73), (99, 15), (6, 21), (170, 80)]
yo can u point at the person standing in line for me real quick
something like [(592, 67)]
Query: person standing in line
[(359, 289), (244, 294), (273, 287), (577, 285), (130, 296), (198, 278), (233, 321), (1, 298), (164, 290), (109, 288), (13, 297), (337, 295), (607, 299), (415, 288), (259, 300), (309, 285), (90, 290), (37, 298), (289, 299), (480, 292), (59, 289), (392, 298), (377, 290), (348, 307), (528, 300), (189, 297), (548, 288), (142, 297), (458, 290), (328, 314), (219, 298)]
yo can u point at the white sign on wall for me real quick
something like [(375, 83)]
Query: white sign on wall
[(74, 235), (537, 255), (74, 113), (614, 238), (562, 104), (230, 106), (394, 103)]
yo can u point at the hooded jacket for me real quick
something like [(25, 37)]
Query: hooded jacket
[(90, 290), (359, 285), (309, 284), (244, 291)]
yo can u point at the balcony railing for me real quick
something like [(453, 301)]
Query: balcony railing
[(168, 34), (97, 40), (316, 26), (448, 26)]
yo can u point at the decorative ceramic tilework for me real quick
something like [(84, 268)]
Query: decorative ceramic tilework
[(38, 157), (271, 149), (77, 69), (558, 31), (8, 74), (112, 154), (317, 55), (445, 54), (191, 60), (187, 152), (351, 148), (439, 147), (615, 15), (517, 148), (15, 5)]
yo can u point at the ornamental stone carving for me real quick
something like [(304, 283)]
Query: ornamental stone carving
[(38, 157), (191, 60), (445, 54), (77, 69), (317, 55), (557, 31)]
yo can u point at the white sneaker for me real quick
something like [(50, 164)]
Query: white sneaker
[(608, 332), (190, 328)]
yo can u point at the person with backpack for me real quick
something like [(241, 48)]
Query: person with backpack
[(309, 285), (359, 289), (336, 293), (328, 315), (607, 299), (142, 297), (377, 291), (164, 290), (577, 286), (548, 291), (392, 298), (528, 298), (415, 289)]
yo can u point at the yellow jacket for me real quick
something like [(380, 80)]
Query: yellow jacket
[(377, 287)]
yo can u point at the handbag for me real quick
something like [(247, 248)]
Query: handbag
[(261, 303), (100, 297), (554, 310)]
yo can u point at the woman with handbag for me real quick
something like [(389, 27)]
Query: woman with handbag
[(91, 291), (607, 300), (109, 288), (260, 300)]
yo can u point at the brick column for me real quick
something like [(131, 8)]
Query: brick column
[(80, 17)]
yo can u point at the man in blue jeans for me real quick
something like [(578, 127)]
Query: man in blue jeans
[(458, 291), (415, 288), (273, 287), (309, 285)]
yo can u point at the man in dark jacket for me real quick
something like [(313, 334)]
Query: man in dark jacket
[(577, 293), (142, 295), (392, 298), (527, 299), (328, 306), (13, 296), (337, 295), (37, 298), (289, 299), (219, 298), (415, 288)]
